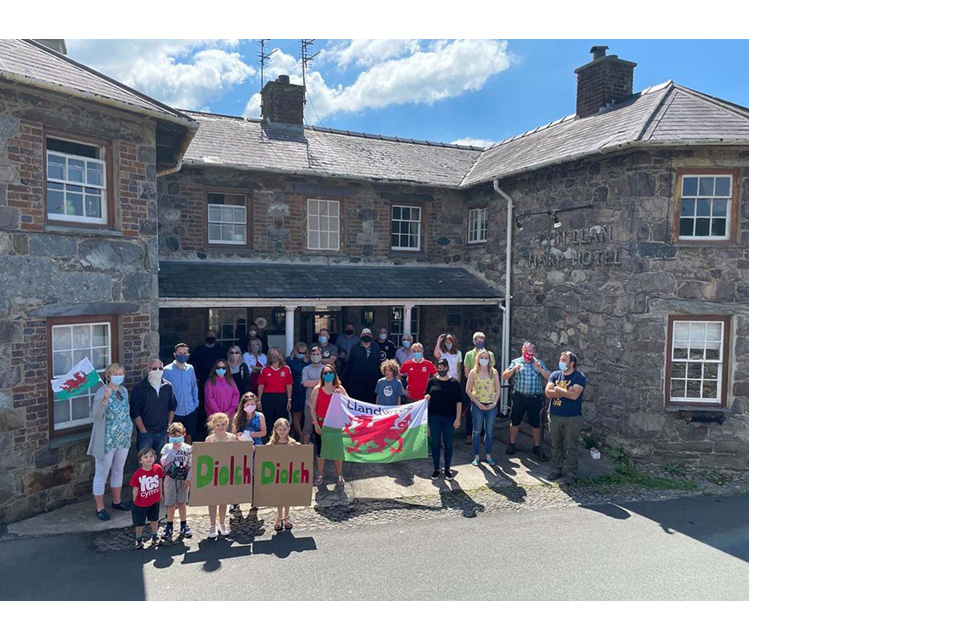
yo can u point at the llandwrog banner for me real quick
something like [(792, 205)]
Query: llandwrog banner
[(74, 382), (360, 432)]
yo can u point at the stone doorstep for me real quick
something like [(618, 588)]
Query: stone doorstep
[(363, 482)]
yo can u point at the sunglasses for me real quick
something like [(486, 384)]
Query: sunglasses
[(156, 368)]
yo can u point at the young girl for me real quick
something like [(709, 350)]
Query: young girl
[(389, 387), (248, 423), (447, 349), (418, 371), (218, 425), (317, 408), (147, 483), (281, 436), (175, 460), (483, 389)]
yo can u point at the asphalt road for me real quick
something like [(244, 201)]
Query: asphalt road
[(686, 549)]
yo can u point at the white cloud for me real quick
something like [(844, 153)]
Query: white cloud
[(369, 52), (474, 142), (182, 73)]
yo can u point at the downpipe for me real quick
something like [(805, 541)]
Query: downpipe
[(505, 339)]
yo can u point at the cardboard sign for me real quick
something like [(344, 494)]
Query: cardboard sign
[(283, 476), (221, 473)]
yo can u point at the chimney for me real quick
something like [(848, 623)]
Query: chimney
[(602, 81), (282, 102)]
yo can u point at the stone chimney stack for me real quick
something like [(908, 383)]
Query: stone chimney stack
[(282, 102), (602, 81)]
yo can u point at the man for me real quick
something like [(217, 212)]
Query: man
[(253, 331), (184, 380), (388, 350), (527, 395), (469, 360), (363, 368), (328, 352), (152, 407), (345, 342), (565, 390), (202, 360)]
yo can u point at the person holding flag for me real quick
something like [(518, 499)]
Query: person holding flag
[(316, 410), (110, 439)]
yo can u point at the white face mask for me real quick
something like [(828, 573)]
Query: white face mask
[(250, 408), (484, 361), (154, 377)]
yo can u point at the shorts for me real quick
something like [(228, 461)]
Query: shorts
[(175, 492), (532, 406), (141, 515)]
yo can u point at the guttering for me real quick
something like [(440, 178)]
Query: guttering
[(239, 301), (505, 343)]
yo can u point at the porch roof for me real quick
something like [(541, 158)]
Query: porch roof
[(220, 283)]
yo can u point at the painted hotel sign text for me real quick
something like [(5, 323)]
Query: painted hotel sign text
[(580, 248)]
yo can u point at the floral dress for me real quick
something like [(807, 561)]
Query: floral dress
[(118, 429)]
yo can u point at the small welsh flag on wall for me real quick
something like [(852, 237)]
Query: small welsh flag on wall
[(74, 382)]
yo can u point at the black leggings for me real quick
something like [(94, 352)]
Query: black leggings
[(274, 406)]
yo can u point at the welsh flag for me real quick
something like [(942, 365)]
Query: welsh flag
[(83, 376), (361, 432)]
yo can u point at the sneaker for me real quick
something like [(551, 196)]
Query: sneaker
[(121, 506), (138, 544), (435, 474), (155, 540), (168, 531), (212, 533), (476, 462), (447, 474), (103, 515), (511, 449), (491, 461), (185, 530), (225, 529), (234, 508), (553, 476), (538, 453)]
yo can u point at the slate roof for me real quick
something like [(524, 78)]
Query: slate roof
[(180, 279)]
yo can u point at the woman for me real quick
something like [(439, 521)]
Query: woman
[(443, 416), (275, 389), (309, 378), (317, 409), (238, 369), (403, 351), (220, 393), (110, 438), (255, 361), (447, 349), (297, 361), (483, 389)]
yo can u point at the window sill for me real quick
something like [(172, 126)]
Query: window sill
[(77, 229), (706, 243), (684, 408), (71, 438)]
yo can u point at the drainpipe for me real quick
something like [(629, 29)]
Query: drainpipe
[(505, 343)]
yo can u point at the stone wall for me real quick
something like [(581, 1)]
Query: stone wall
[(606, 293), (53, 271)]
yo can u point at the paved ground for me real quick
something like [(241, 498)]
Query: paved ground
[(688, 548)]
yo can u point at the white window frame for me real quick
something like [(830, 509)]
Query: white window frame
[(72, 362), (394, 219), (215, 321), (477, 220), (703, 346), (697, 198), (84, 185), (233, 208), (397, 338), (315, 219)]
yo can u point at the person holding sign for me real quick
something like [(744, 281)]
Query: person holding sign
[(281, 436), (317, 409), (218, 424)]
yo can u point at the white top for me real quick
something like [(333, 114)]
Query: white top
[(453, 359), (252, 362)]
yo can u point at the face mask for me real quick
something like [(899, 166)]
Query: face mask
[(116, 380), (176, 439), (406, 344), (478, 344), (349, 332), (274, 360), (315, 358), (221, 372), (181, 358), (323, 339), (249, 408), (210, 341), (527, 357), (328, 377), (449, 345), (155, 377), (301, 356), (365, 339), (563, 365), (418, 356), (443, 372), (252, 334), (383, 336), (484, 361)]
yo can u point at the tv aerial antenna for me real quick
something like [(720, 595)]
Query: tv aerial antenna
[(264, 56)]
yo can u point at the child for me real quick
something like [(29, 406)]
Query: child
[(281, 436), (218, 424), (389, 387), (147, 493), (248, 423), (418, 372), (175, 460)]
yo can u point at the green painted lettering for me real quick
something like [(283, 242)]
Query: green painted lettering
[(204, 471)]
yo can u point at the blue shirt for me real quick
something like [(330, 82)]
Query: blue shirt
[(184, 383), (566, 406), (527, 380), (389, 391)]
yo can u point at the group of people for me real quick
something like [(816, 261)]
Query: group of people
[(218, 394)]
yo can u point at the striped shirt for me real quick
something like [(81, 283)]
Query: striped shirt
[(527, 380)]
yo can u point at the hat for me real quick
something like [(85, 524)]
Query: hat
[(366, 332)]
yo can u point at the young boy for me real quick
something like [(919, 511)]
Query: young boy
[(147, 483), (175, 460), (389, 387)]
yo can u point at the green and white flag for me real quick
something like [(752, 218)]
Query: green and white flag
[(361, 432), (83, 376)]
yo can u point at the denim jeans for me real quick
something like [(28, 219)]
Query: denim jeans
[(153, 439), (441, 427), (483, 421)]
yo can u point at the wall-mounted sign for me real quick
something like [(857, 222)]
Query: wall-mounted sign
[(579, 248)]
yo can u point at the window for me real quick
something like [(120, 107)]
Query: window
[(230, 324), (226, 218), (405, 228), (477, 225), (697, 359), (396, 324), (707, 205), (323, 225), (69, 344), (76, 182)]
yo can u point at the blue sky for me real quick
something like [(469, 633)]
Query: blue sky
[(463, 90)]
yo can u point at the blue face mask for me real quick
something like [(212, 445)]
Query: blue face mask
[(479, 344), (176, 439), (406, 344), (563, 365), (323, 339), (301, 356), (418, 356), (328, 377), (116, 380), (221, 372), (181, 357)]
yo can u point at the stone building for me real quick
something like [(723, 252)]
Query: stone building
[(620, 232)]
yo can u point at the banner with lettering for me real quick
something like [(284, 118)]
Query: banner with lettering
[(221, 473), (283, 476), (361, 432)]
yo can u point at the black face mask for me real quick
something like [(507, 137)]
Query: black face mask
[(442, 372), (349, 332), (365, 339), (211, 341)]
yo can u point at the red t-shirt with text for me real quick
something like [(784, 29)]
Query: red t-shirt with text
[(149, 483), (418, 374), (275, 380)]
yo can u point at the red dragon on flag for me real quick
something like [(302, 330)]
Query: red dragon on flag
[(380, 432)]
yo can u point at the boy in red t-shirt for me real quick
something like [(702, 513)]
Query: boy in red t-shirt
[(418, 372), (147, 483)]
